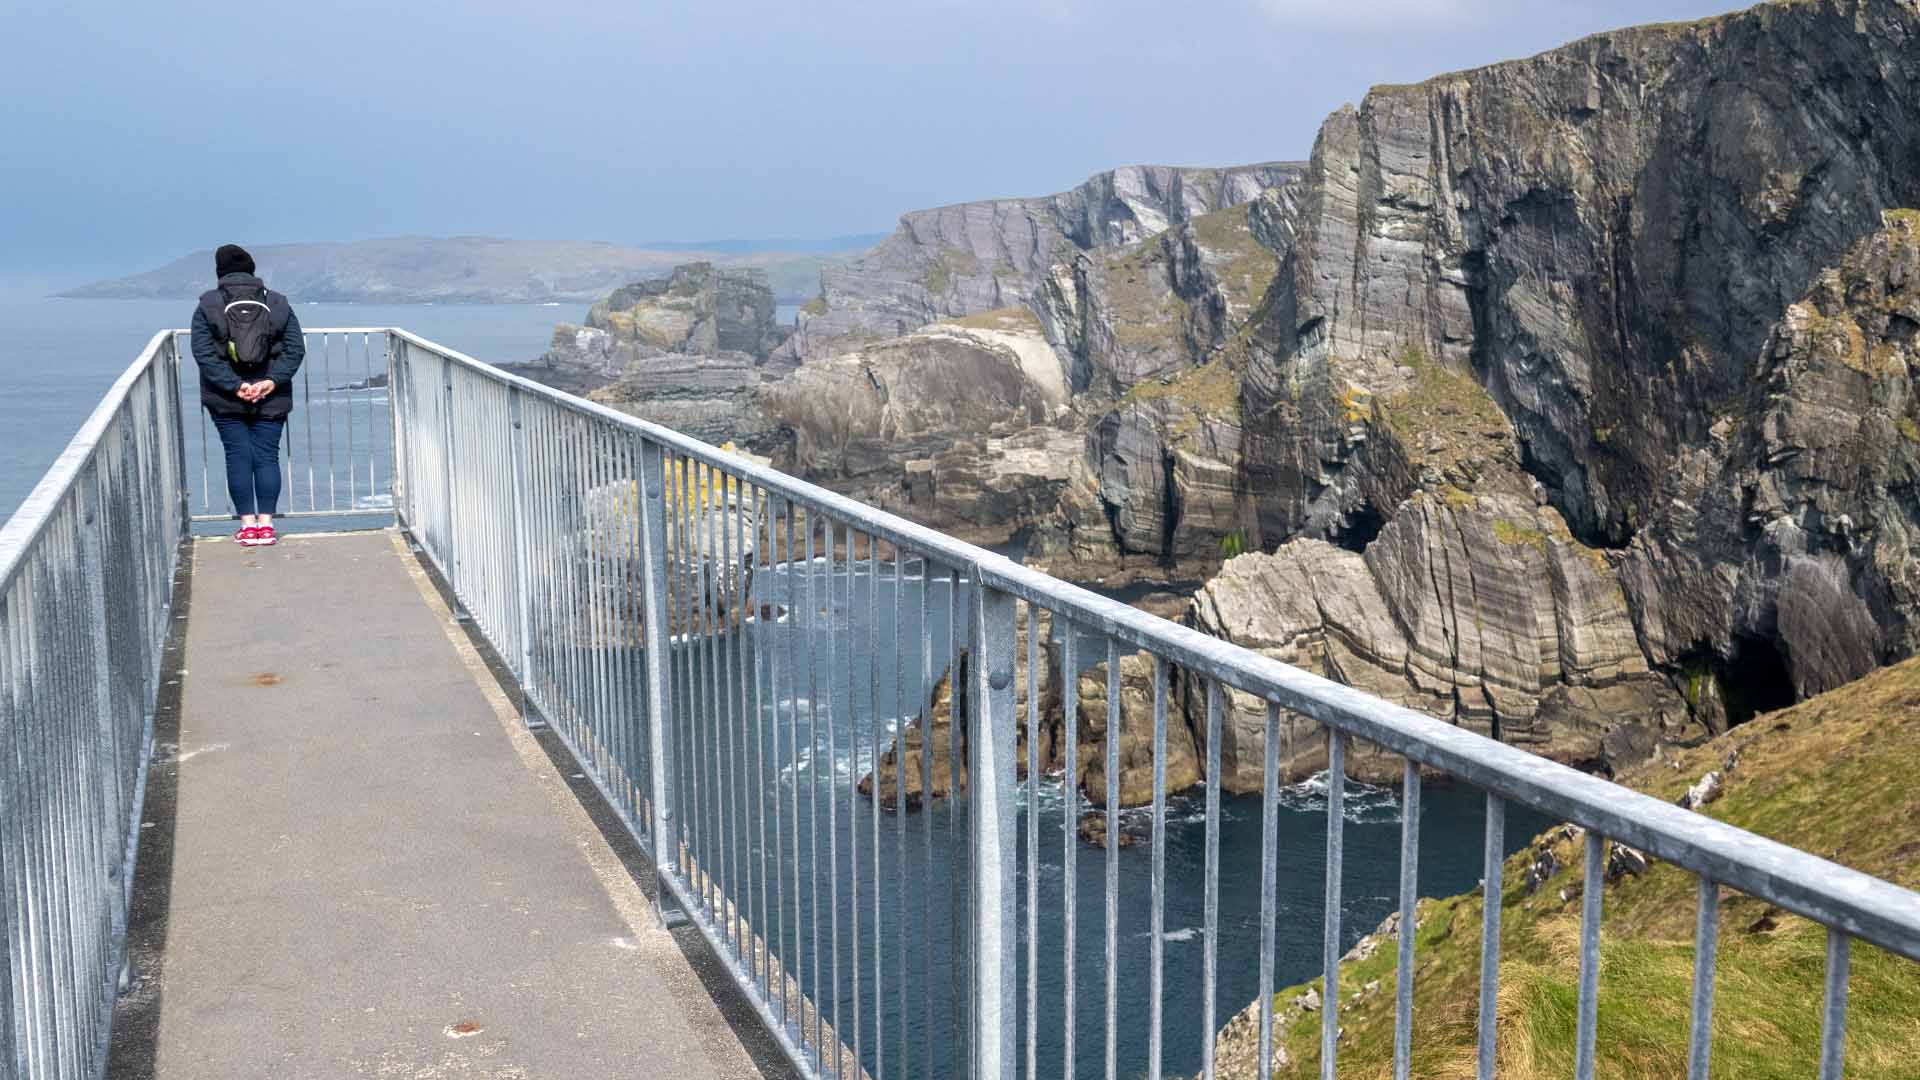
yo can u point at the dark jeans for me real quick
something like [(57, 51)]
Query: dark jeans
[(253, 462)]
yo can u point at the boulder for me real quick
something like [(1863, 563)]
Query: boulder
[(712, 398), (1479, 610), (1135, 781), (699, 309)]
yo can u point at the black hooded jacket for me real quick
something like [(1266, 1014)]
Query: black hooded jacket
[(220, 380)]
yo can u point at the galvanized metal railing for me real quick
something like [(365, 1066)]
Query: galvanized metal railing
[(86, 586), (337, 452), (704, 633)]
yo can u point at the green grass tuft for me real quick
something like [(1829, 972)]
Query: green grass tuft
[(1832, 775)]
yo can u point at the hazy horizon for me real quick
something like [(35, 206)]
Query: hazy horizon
[(597, 121)]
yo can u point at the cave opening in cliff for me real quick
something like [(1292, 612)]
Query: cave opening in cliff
[(1582, 521), (1755, 679), (1358, 528)]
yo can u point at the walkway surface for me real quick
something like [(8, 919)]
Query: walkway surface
[(374, 870)]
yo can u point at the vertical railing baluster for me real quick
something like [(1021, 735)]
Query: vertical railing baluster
[(13, 1040), (852, 715), (653, 515), (1330, 925), (1833, 1022), (1269, 799), (449, 472), (1593, 886), (1409, 907), (1032, 1013), (1210, 930), (1157, 917), (966, 705), (726, 607), (813, 966), (900, 723), (373, 451), (873, 820), (794, 623), (719, 678), (923, 707), (1114, 720), (780, 946), (306, 388), (745, 925), (594, 488), (353, 474), (333, 467), (829, 773), (1069, 837), (993, 936), (1706, 945), (763, 631), (1490, 935)]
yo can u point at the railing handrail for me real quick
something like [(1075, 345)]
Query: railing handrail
[(87, 568), (29, 520), (1866, 907)]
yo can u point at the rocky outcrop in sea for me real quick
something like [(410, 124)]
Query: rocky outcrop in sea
[(686, 350)]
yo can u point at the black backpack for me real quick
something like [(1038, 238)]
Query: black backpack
[(249, 325)]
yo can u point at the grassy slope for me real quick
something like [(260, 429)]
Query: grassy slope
[(1835, 775)]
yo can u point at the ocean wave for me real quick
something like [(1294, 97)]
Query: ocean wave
[(1362, 804)]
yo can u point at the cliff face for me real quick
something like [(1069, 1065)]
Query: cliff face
[(685, 350), (1796, 525), (1155, 338), (1525, 348), (1479, 610), (698, 309), (964, 260), (1601, 234)]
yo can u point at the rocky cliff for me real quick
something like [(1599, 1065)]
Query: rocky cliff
[(964, 260), (1601, 236), (1525, 350), (685, 350), (699, 309), (1784, 555)]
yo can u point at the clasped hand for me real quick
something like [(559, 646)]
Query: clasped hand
[(254, 392)]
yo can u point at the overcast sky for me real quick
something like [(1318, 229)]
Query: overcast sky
[(135, 132)]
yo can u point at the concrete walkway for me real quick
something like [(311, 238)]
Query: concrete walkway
[(373, 870)]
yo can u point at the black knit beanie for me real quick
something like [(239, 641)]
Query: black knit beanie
[(232, 259)]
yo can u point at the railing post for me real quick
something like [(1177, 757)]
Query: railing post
[(993, 1011), (653, 541), (13, 1036), (176, 388), (93, 572), (396, 406), (447, 472), (522, 573)]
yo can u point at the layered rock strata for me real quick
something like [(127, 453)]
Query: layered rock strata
[(963, 260)]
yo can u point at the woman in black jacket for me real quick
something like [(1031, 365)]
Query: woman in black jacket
[(249, 402)]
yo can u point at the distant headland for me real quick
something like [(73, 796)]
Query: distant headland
[(474, 270)]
